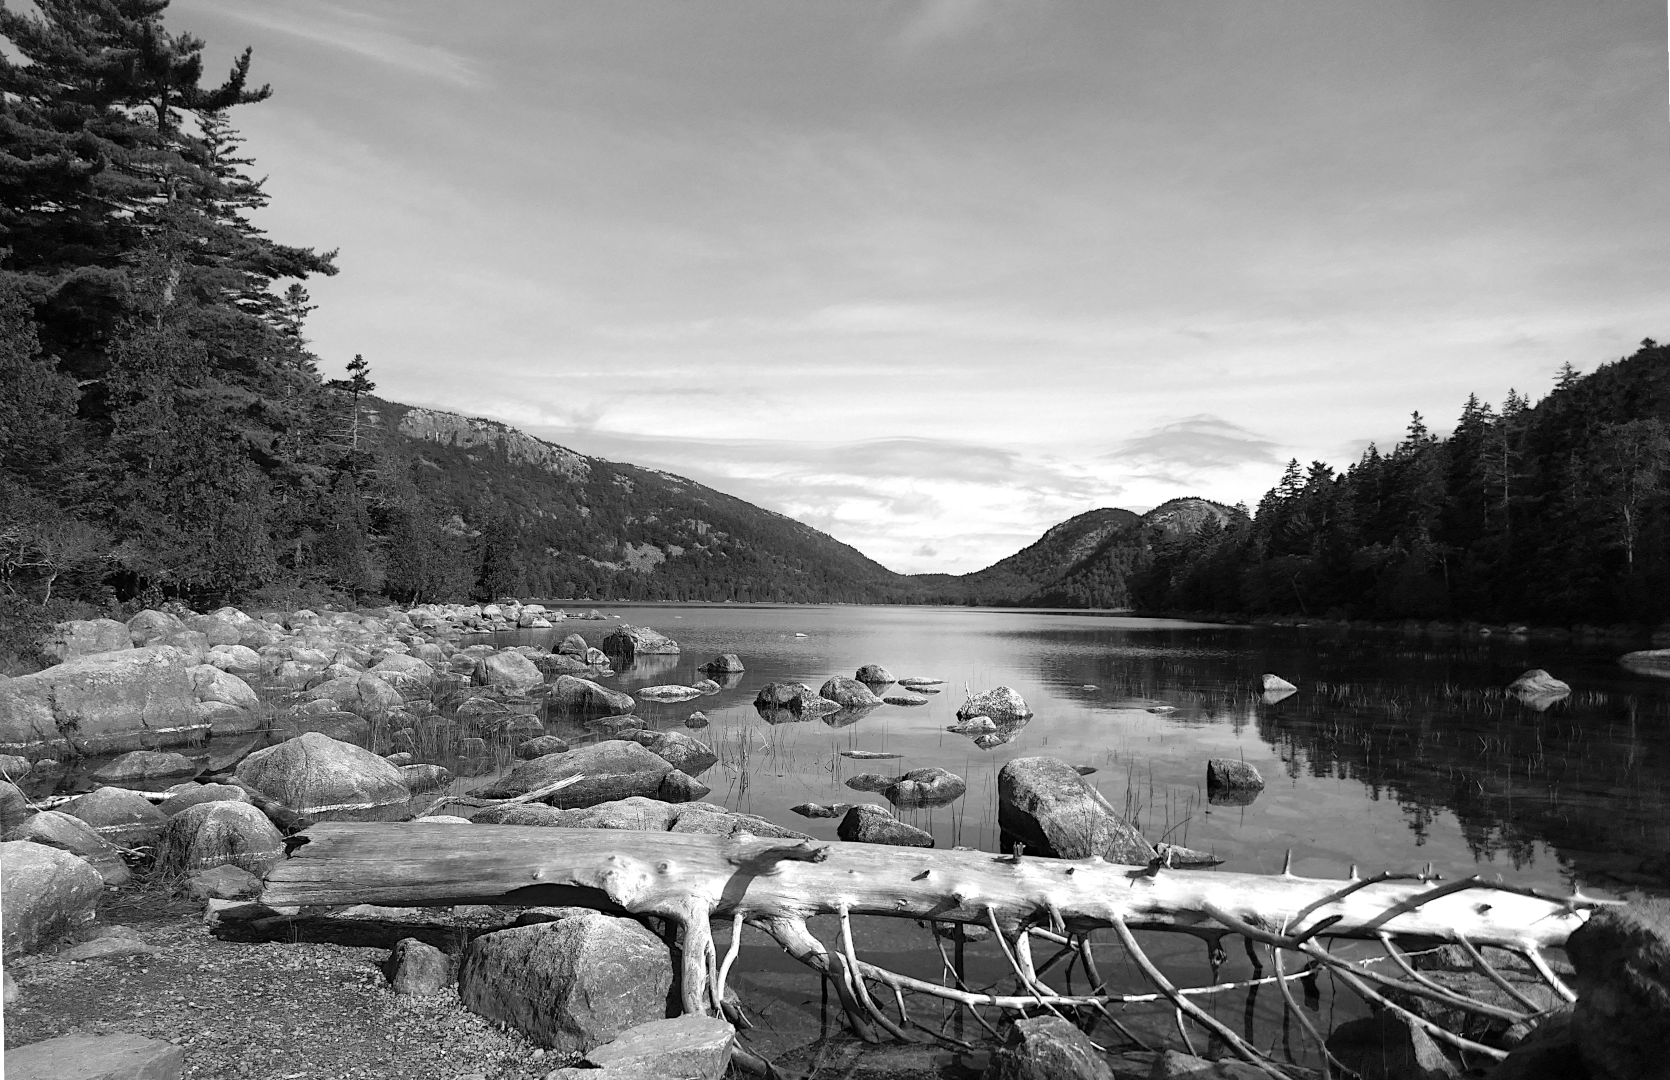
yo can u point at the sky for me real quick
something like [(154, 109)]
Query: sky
[(933, 276)]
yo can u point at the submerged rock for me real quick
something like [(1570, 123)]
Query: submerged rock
[(1045, 804), (867, 824)]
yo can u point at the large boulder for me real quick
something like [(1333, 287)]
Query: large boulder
[(400, 670), (1386, 1046), (723, 664), (573, 696), (625, 642), (66, 832), (874, 674), (1045, 804), (690, 1047), (777, 695), (86, 637), (1048, 1048), (125, 818), (141, 768), (1001, 704), (848, 693), (237, 659), (1538, 689), (511, 670), (363, 695), (641, 815), (867, 824), (316, 775), (104, 703), (97, 1057), (1232, 774), (925, 787), (669, 692), (14, 806), (210, 834), (224, 627), (612, 769), (1622, 1018), (569, 985), (44, 892), (213, 684), (150, 627), (679, 750)]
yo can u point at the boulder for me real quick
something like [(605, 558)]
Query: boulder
[(573, 696), (1232, 774), (1048, 1048), (214, 834), (1176, 1065), (641, 815), (44, 892), (625, 642), (1044, 803), (874, 674), (708, 686), (848, 693), (420, 778), (149, 627), (539, 746), (1548, 1052), (1274, 684), (140, 768), (86, 637), (1621, 958), (925, 787), (237, 659), (669, 692), (569, 985), (511, 670), (679, 750), (316, 775), (554, 664), (202, 793), (973, 725), (679, 786), (341, 726), (104, 703), (125, 818), (1002, 705), (13, 767), (689, 1047), (224, 882), (696, 719), (14, 806), (1538, 683), (818, 810), (573, 645), (218, 629), (723, 664), (417, 969), (54, 828), (400, 670), (364, 695), (96, 1057), (866, 824), (775, 695), (613, 769), (1386, 1046)]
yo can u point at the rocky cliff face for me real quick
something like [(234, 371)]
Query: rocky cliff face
[(465, 432)]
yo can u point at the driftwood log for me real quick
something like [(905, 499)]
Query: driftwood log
[(776, 886)]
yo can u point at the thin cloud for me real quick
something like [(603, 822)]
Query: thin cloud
[(362, 35), (1201, 443)]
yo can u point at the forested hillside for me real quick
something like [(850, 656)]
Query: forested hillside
[(1552, 513)]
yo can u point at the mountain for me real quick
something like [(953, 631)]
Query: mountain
[(579, 526)]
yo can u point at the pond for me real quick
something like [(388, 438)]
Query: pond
[(1396, 751)]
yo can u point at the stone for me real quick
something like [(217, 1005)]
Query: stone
[(573, 645), (688, 1047), (14, 806), (709, 687), (217, 629), (925, 787), (139, 767), (103, 703), (342, 726), (13, 767), (875, 674), (644, 815), (12, 993), (213, 834), (106, 948), (625, 642), (779, 694), (319, 776), (1388, 1047), (974, 725), (866, 824), (54, 828), (149, 627), (1045, 804), (900, 699), (1548, 1052), (848, 693), (612, 769), (1176, 1065), (1232, 774), (539, 746), (224, 882), (723, 664), (125, 818), (96, 1057), (203, 793), (364, 695), (236, 659), (1538, 683), (1274, 684), (508, 669), (570, 985), (86, 637), (669, 693), (420, 778), (417, 969), (1002, 705), (818, 810), (574, 696), (397, 669), (1047, 1048), (1621, 958), (679, 750), (45, 892), (213, 684), (680, 786), (696, 719)]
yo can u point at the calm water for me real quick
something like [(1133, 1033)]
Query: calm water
[(1394, 753)]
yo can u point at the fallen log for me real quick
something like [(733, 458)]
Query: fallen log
[(776, 886)]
